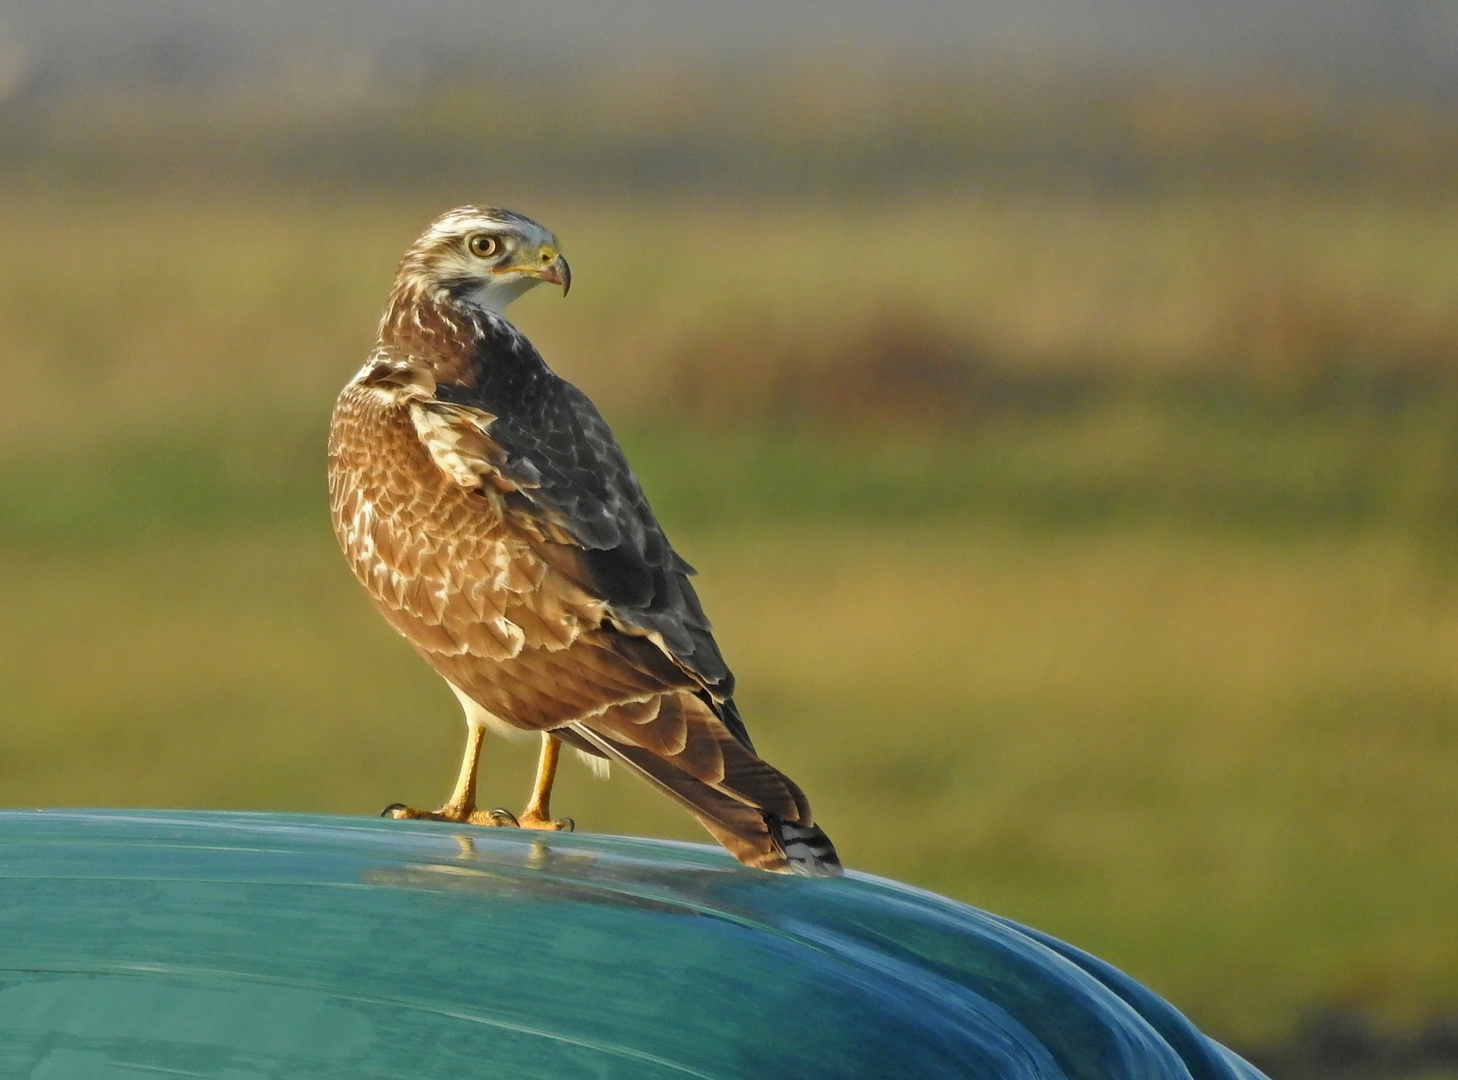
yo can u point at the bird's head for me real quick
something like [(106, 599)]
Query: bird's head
[(482, 255)]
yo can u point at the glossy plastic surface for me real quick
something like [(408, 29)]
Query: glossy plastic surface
[(252, 946)]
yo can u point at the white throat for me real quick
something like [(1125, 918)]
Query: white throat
[(493, 296)]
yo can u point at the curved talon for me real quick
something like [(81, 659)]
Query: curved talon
[(531, 820), (454, 814), (500, 816)]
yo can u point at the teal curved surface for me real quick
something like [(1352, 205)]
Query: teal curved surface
[(249, 946)]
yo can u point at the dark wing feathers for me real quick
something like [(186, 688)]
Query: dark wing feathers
[(570, 471), (729, 714)]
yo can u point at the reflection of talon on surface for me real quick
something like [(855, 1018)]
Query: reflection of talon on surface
[(538, 855)]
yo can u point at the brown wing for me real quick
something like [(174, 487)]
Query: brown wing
[(484, 560)]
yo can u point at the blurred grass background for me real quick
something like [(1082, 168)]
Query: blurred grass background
[(1072, 473)]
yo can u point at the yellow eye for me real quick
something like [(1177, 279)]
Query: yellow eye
[(482, 245)]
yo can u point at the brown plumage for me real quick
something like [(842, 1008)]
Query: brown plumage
[(489, 512)]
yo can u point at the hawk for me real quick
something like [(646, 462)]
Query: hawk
[(490, 514)]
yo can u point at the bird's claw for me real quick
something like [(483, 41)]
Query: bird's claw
[(535, 821), (495, 816), (458, 815)]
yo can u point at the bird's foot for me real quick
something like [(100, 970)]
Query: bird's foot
[(495, 816), (531, 819), (460, 815)]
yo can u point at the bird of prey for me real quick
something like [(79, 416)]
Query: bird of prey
[(488, 510)]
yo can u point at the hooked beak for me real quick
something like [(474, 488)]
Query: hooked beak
[(556, 272), (551, 268)]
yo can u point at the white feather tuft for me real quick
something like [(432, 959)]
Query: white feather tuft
[(600, 767)]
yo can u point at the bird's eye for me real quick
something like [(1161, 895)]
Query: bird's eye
[(482, 245)]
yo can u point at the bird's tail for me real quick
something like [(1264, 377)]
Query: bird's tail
[(806, 848), (752, 835)]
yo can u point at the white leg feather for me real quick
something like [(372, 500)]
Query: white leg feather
[(600, 767)]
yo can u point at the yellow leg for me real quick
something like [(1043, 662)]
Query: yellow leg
[(538, 813), (464, 797), (461, 807)]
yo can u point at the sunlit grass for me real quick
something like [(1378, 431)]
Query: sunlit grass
[(188, 310), (1131, 460)]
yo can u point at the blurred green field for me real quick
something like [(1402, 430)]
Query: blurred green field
[(1090, 561)]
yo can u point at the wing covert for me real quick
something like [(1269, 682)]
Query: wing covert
[(564, 479)]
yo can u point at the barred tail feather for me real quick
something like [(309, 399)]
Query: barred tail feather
[(807, 849)]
